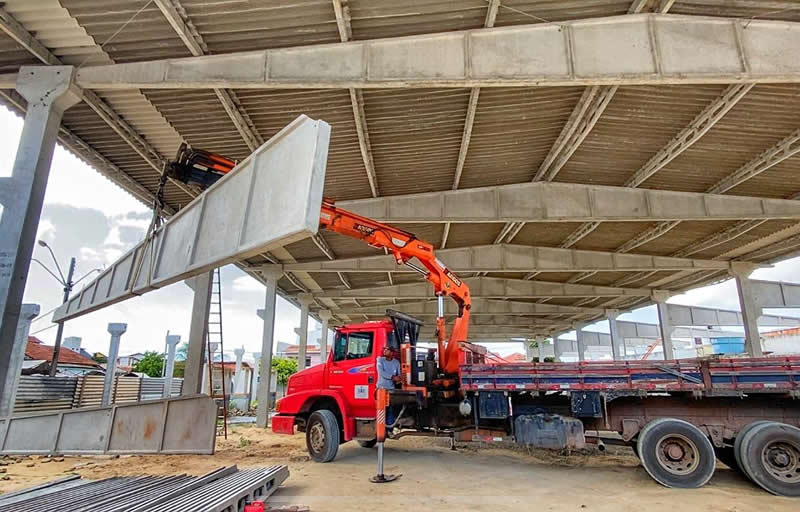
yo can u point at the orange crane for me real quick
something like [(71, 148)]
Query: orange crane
[(406, 247)]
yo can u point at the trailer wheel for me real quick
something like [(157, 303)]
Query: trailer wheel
[(676, 453), (322, 435), (368, 444), (770, 455), (737, 443)]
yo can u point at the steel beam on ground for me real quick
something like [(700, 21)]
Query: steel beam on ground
[(49, 92), (568, 202), (219, 227), (655, 49)]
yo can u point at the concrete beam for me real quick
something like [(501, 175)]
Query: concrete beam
[(479, 307), (699, 316), (518, 258), (568, 202), (245, 193), (488, 288), (620, 50)]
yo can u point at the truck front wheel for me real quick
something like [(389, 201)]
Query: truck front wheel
[(322, 436)]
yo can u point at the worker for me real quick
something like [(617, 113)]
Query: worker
[(388, 367)]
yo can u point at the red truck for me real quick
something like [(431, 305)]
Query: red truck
[(679, 416)]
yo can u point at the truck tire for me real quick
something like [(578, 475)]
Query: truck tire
[(368, 444), (322, 436), (737, 443), (770, 456), (675, 453)]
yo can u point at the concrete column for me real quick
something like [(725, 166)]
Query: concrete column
[(271, 275), (194, 375), (540, 342), (207, 387), (9, 393), (238, 376), (324, 316), (305, 300), (665, 324), (557, 349), (579, 335), (529, 350), (116, 331), (750, 307), (172, 344), (49, 91), (254, 376), (616, 339)]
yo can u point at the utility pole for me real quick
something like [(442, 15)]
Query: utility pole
[(67, 290)]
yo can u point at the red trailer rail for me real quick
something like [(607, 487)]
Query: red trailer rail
[(704, 376)]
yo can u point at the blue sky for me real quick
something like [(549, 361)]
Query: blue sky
[(89, 217)]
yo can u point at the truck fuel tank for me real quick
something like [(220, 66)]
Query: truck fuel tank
[(551, 431)]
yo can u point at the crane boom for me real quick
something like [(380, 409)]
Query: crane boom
[(405, 247)]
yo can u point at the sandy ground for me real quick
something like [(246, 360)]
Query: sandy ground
[(434, 478)]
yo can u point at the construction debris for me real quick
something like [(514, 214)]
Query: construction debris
[(224, 490)]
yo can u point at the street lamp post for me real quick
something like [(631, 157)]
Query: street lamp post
[(68, 284), (60, 330)]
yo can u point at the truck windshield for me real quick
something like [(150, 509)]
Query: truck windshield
[(355, 345)]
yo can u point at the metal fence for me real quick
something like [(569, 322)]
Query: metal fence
[(43, 393)]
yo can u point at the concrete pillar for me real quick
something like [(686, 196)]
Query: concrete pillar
[(529, 350), (305, 300), (665, 324), (750, 307), (271, 275), (49, 91), (254, 375), (172, 344), (194, 375), (9, 393), (579, 335), (324, 316), (616, 339), (557, 349), (540, 343), (116, 331), (239, 380)]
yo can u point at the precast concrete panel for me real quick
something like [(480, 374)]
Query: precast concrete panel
[(269, 200)]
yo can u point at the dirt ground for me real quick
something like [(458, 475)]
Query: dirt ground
[(434, 478)]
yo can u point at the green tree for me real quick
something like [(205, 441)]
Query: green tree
[(179, 371), (99, 358), (284, 368), (152, 364)]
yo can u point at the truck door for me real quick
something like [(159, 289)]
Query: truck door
[(352, 370)]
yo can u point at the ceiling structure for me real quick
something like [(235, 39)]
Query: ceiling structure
[(403, 150)]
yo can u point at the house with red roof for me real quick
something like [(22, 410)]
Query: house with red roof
[(38, 357)]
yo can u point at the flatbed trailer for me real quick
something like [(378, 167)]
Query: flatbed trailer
[(745, 409)]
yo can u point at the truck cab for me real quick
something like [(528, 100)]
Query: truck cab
[(334, 402)]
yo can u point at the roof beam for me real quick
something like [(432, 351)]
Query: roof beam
[(568, 202), (518, 258), (488, 288), (656, 49), (700, 316), (85, 152), (699, 126), (479, 307), (176, 16), (342, 12), (126, 132)]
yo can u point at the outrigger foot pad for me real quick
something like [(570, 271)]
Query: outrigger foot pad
[(384, 479)]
